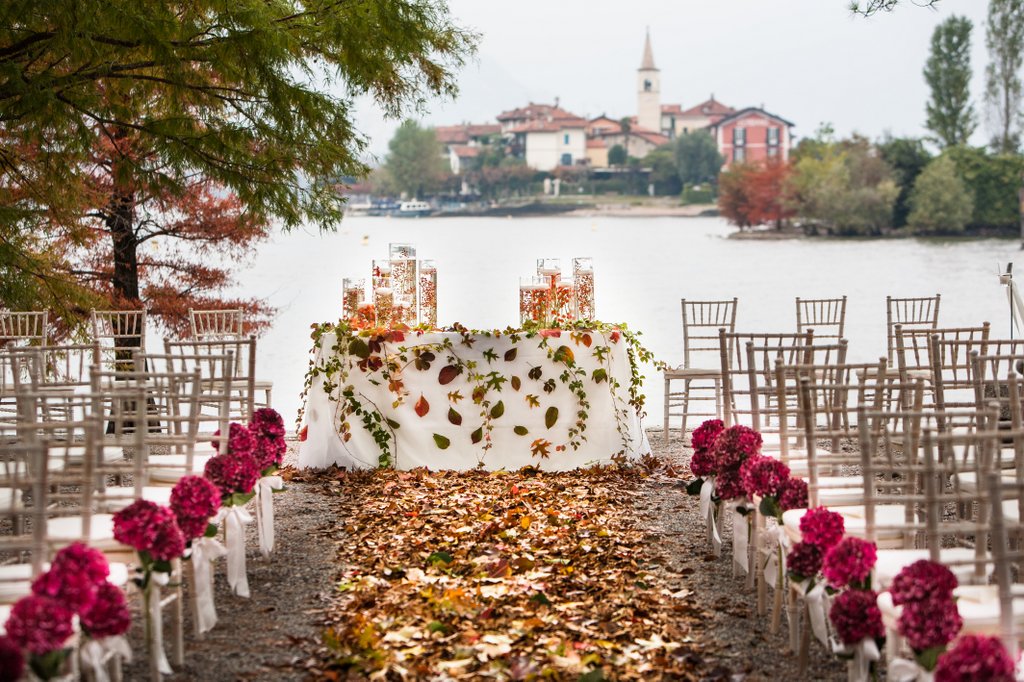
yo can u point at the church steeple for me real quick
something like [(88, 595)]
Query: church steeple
[(648, 95), (647, 63)]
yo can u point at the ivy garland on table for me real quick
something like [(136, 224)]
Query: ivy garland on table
[(385, 367)]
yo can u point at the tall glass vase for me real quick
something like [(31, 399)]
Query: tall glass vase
[(353, 292), (583, 275), (403, 281), (533, 300), (428, 293)]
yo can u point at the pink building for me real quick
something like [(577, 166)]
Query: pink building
[(752, 135)]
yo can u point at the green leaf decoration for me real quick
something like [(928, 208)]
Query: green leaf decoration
[(516, 383), (769, 507), (441, 442), (497, 410), (448, 374), (359, 348), (454, 417), (440, 558), (535, 373), (477, 435), (510, 354), (694, 486), (391, 422), (551, 416), (564, 354), (599, 375), (521, 430)]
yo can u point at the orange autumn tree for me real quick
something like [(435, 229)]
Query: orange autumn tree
[(164, 243), (752, 194)]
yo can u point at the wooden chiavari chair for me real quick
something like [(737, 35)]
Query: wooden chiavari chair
[(826, 316), (212, 325), (910, 313), (24, 328), (243, 374), (120, 333), (24, 547), (914, 357), (701, 321)]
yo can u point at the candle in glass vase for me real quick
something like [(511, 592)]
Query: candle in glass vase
[(403, 279), (549, 268), (583, 274), (564, 303), (381, 273), (383, 303), (531, 299), (353, 291), (428, 293)]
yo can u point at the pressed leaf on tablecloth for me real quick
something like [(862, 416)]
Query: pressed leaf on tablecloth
[(564, 354), (391, 422), (441, 442), (535, 373), (497, 410), (359, 348), (599, 375), (422, 406), (454, 417), (540, 448), (477, 435), (516, 383), (448, 374), (551, 416), (521, 430), (532, 400), (510, 354)]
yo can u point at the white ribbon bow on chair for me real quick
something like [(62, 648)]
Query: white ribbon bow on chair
[(265, 488), (815, 598), (740, 538), (155, 609), (864, 653), (205, 551), (235, 520), (776, 542), (707, 512), (905, 670), (94, 653)]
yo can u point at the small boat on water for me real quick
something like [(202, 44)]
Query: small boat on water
[(414, 209)]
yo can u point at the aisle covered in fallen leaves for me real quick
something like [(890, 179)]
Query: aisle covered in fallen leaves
[(597, 574), (510, 574)]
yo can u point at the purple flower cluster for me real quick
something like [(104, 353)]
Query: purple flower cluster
[(194, 500), (702, 463), (849, 562), (822, 528), (703, 437), (233, 473), (267, 428), (930, 623), (728, 485), (39, 624), (108, 616), (804, 560), (793, 494), (855, 616), (151, 528), (734, 445), (975, 657), (922, 580), (74, 576), (763, 476), (240, 439)]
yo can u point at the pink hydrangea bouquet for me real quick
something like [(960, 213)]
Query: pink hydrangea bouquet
[(267, 428), (855, 616), (236, 471), (975, 657), (822, 528), (733, 446), (41, 627), (929, 620), (702, 463), (76, 573), (109, 615), (770, 479), (194, 501), (804, 562), (848, 563), (153, 531)]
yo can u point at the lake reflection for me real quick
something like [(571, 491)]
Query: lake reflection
[(643, 267)]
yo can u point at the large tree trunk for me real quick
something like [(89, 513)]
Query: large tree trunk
[(121, 223)]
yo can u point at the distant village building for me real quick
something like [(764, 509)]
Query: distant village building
[(546, 136)]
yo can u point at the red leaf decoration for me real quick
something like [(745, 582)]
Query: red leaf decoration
[(448, 374), (422, 406)]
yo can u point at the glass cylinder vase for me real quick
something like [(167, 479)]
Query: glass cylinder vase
[(353, 292), (383, 305), (583, 275), (428, 293), (549, 268), (563, 302), (403, 280), (533, 299)]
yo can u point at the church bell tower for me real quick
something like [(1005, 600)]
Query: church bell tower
[(648, 95)]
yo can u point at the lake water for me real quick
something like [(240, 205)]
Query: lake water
[(643, 266)]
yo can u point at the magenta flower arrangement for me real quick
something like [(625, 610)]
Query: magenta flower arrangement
[(267, 428), (855, 616), (822, 528), (194, 501), (803, 561), (703, 437), (763, 476), (729, 485), (929, 619), (109, 615), (734, 445), (975, 657), (41, 626), (12, 661), (152, 530), (240, 439), (75, 574), (236, 471), (793, 494), (848, 563), (702, 463)]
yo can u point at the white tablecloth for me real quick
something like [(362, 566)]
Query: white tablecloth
[(418, 439)]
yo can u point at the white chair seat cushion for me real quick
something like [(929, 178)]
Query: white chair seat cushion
[(892, 561), (158, 494), (171, 468), (978, 605), (67, 529), (692, 373), (853, 520)]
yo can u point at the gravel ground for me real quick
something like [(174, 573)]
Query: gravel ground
[(275, 634)]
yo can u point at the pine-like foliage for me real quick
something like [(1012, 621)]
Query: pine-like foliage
[(951, 116)]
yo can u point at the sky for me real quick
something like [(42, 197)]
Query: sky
[(809, 61)]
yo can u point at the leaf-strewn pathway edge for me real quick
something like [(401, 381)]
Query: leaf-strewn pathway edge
[(504, 576)]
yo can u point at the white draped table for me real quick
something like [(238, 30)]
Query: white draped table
[(522, 396)]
